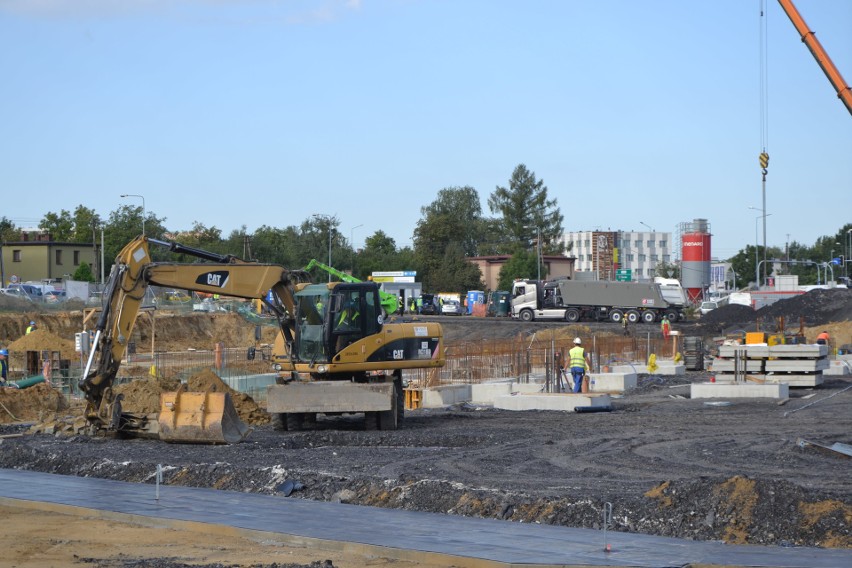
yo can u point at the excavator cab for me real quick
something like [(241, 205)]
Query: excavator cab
[(332, 316)]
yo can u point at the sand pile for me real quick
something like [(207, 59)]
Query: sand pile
[(30, 404), (247, 408), (143, 395), (38, 340)]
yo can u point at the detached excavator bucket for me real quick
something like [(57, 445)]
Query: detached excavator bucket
[(200, 418)]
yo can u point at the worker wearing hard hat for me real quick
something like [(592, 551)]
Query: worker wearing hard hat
[(578, 361), (4, 366), (31, 328)]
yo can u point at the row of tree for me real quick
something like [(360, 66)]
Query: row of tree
[(451, 228)]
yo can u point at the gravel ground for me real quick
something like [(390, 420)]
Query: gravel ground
[(669, 465)]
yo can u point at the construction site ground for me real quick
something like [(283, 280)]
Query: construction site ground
[(733, 471)]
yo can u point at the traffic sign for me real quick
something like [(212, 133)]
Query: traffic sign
[(624, 274)]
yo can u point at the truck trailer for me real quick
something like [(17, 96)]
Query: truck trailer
[(572, 301)]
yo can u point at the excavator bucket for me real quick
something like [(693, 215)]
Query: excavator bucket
[(200, 418)]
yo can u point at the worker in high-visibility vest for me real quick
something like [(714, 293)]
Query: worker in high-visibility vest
[(578, 362), (31, 328)]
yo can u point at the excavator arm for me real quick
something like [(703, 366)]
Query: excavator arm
[(133, 272)]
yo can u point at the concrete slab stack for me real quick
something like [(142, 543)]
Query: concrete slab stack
[(793, 365)]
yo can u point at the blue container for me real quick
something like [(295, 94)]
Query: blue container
[(474, 297)]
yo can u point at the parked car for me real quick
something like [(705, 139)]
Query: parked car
[(428, 305), (54, 296), (15, 293), (451, 308)]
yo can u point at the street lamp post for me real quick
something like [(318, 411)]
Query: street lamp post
[(352, 235), (763, 215), (352, 244), (327, 219), (142, 197)]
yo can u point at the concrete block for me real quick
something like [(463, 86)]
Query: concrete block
[(566, 402), (629, 368), (486, 392), (752, 351), (794, 380), (527, 388), (839, 367), (730, 390), (612, 382), (727, 365), (437, 397), (803, 351), (796, 365)]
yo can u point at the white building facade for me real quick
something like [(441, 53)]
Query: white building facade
[(618, 255)]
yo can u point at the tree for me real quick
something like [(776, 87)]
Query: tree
[(200, 237), (449, 231), (86, 225), (453, 273), (522, 264), (379, 253), (83, 273), (8, 230), (667, 270), (526, 211), (60, 226), (124, 225)]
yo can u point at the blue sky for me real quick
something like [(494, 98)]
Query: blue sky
[(264, 112)]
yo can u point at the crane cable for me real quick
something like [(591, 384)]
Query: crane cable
[(764, 88)]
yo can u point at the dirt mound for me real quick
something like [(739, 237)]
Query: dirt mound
[(38, 340), (247, 408), (817, 307), (30, 404), (142, 396), (730, 315)]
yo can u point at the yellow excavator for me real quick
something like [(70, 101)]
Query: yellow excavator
[(334, 353)]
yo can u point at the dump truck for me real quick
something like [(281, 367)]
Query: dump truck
[(333, 353), (574, 300)]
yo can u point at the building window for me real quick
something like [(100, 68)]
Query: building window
[(642, 258), (588, 258), (630, 257), (663, 244), (654, 258), (16, 256), (59, 258), (637, 244), (650, 244), (666, 258), (76, 258), (651, 273), (587, 243)]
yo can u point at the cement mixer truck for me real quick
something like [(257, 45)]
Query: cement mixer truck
[(574, 300)]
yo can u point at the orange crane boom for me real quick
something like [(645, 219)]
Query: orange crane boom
[(822, 58)]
